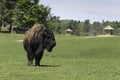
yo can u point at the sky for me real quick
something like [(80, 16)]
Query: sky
[(94, 10)]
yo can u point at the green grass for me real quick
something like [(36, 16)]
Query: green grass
[(74, 58)]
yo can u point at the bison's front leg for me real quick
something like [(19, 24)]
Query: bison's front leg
[(37, 62), (38, 57)]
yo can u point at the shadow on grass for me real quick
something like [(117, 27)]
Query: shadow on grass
[(50, 65), (47, 66)]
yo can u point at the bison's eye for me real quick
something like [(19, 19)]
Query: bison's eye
[(48, 37)]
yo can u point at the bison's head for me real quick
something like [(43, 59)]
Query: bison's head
[(49, 39)]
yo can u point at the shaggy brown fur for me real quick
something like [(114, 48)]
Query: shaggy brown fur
[(35, 33)]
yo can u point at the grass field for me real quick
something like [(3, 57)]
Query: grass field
[(74, 58)]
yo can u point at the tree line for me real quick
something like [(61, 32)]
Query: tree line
[(22, 14), (83, 28)]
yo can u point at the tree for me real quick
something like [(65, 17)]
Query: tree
[(55, 24), (28, 13), (2, 13), (64, 25), (23, 13), (86, 27), (75, 26), (96, 28), (10, 5)]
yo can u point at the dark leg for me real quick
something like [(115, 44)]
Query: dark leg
[(38, 57), (37, 62), (30, 60), (30, 56)]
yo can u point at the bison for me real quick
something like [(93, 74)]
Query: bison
[(36, 40)]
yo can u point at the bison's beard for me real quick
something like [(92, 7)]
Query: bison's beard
[(50, 47)]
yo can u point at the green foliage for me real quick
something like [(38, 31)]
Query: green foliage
[(83, 28), (86, 27), (54, 24), (97, 28), (23, 13), (64, 25), (75, 26), (30, 13)]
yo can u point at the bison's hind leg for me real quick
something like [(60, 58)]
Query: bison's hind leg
[(30, 59), (30, 56)]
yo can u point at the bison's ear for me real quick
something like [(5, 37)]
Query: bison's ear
[(45, 32)]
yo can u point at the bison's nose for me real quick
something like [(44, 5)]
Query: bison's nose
[(54, 43)]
